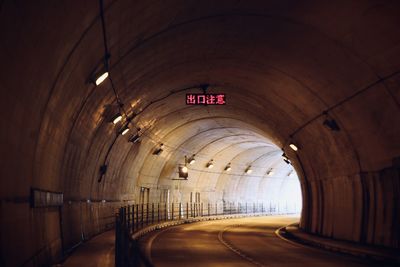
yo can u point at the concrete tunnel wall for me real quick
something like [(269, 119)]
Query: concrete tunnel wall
[(281, 63)]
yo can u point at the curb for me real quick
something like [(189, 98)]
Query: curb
[(336, 246), (159, 226)]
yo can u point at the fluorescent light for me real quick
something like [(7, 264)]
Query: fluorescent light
[(125, 130), (285, 157), (117, 118), (248, 170), (191, 160), (210, 165), (294, 147), (135, 138), (101, 78), (228, 167)]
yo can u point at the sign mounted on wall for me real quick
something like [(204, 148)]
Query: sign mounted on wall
[(205, 99), (43, 199)]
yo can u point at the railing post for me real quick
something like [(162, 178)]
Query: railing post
[(133, 218), (187, 210), (129, 217), (152, 213), (172, 212), (142, 217), (165, 212), (208, 209), (216, 208), (147, 213), (158, 212), (124, 215)]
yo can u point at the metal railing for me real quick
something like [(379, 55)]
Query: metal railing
[(130, 219)]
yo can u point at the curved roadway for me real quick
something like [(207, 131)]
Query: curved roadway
[(237, 242)]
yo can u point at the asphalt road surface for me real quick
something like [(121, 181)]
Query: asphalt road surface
[(237, 243)]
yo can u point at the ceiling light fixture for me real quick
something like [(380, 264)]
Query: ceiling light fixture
[(159, 150), (210, 164), (294, 147), (228, 167), (331, 124), (135, 138), (270, 172), (182, 172), (248, 170), (285, 158), (101, 78), (191, 160), (124, 130), (117, 118)]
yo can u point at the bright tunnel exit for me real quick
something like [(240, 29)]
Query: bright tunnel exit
[(229, 163)]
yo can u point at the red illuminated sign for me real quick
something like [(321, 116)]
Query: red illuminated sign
[(205, 99)]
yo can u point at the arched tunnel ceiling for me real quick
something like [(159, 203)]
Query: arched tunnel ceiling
[(281, 65), (286, 67)]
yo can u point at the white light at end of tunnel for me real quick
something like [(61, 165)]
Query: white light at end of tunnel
[(294, 147), (101, 78)]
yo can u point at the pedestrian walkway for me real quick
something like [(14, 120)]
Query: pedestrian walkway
[(97, 252), (365, 251)]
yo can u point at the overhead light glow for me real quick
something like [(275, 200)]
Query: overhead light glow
[(101, 78), (184, 169), (270, 172), (135, 138), (248, 170), (228, 167), (210, 164), (117, 118), (294, 147), (285, 158), (191, 160), (125, 130)]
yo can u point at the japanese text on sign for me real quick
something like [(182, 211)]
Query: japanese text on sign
[(205, 99)]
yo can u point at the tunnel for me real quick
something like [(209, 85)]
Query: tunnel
[(309, 120)]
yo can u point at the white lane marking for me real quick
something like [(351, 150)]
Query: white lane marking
[(234, 249)]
